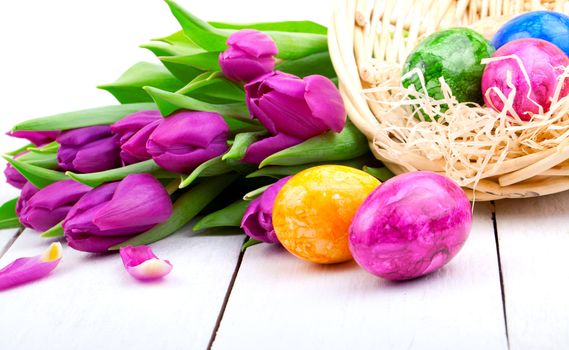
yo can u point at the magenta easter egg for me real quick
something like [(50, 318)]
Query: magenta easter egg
[(410, 226), (543, 62)]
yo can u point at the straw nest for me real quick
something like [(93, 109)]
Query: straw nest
[(491, 155)]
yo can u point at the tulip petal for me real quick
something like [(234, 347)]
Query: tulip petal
[(131, 124), (134, 150), (142, 264), (262, 149), (253, 42), (29, 269), (78, 137), (325, 102), (138, 197), (13, 177)]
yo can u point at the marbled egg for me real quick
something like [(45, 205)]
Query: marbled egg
[(454, 54), (410, 226), (314, 209), (543, 62), (546, 25)]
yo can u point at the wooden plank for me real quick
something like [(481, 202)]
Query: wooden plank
[(534, 243), (90, 302), (280, 302)]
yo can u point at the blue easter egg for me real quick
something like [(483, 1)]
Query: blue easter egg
[(545, 25)]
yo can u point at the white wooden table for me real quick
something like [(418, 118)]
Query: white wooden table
[(508, 287)]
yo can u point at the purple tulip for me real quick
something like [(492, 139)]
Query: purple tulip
[(187, 139), (47, 207), (14, 178), (27, 193), (249, 55), (88, 150), (258, 218), (297, 108), (134, 131), (38, 138), (115, 212)]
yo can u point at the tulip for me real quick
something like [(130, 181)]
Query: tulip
[(258, 218), (14, 178), (88, 150), (249, 55), (28, 191), (141, 263), (24, 270), (134, 131), (115, 212), (38, 138), (294, 107), (47, 207), (187, 139)]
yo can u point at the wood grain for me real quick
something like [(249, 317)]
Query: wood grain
[(280, 302), (90, 302), (534, 244)]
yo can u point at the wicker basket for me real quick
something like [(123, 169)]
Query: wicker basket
[(367, 36)]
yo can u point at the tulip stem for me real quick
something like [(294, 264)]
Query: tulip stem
[(173, 186)]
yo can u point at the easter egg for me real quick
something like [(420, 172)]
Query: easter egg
[(410, 226), (314, 209), (542, 61), (454, 54), (546, 25)]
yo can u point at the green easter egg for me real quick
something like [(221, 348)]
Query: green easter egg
[(454, 54)]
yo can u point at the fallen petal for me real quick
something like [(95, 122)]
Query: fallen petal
[(141, 263), (29, 269)]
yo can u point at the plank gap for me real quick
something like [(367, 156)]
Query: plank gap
[(502, 287), (227, 295), (11, 241)]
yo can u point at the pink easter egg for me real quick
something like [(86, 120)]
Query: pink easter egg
[(411, 225), (543, 62)]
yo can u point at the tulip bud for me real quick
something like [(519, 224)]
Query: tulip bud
[(258, 218), (115, 212), (134, 131), (88, 150), (297, 108), (47, 207), (186, 139), (38, 138), (249, 55)]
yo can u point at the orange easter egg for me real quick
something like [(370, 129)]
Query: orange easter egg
[(314, 209)]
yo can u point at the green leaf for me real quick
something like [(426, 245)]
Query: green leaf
[(204, 61), (55, 231), (318, 63), (169, 102), (228, 216), (96, 179), (185, 209), (255, 193), (41, 159), (241, 143), (278, 171), (198, 31), (181, 42), (212, 167), (287, 26), (239, 126), (87, 117), (20, 150), (212, 84), (349, 143), (128, 87), (382, 174), (249, 243), (8, 216), (38, 176), (51, 147)]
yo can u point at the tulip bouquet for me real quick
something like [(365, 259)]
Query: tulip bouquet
[(229, 110)]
